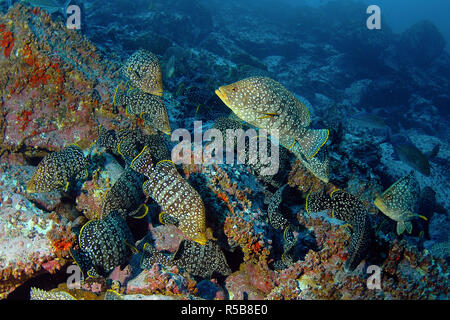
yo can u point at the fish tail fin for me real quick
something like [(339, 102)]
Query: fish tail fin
[(433, 153), (312, 140), (404, 225), (143, 163), (149, 248), (165, 218)]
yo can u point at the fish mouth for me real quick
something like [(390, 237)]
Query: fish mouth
[(158, 93), (222, 96), (380, 205)]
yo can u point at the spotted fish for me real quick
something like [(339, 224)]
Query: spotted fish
[(56, 294), (261, 169), (148, 107), (157, 147), (107, 139), (104, 245), (345, 206), (126, 196), (319, 165), (58, 170), (129, 142), (412, 156), (198, 260), (399, 200), (276, 219), (223, 124), (266, 104), (39, 294), (174, 194), (144, 72)]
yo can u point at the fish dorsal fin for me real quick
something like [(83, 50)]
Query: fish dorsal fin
[(83, 228), (305, 117)]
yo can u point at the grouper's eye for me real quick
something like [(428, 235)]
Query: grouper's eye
[(234, 89)]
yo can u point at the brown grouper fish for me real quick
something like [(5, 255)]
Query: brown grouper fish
[(199, 260), (146, 106), (180, 202), (266, 104), (345, 206), (59, 169), (144, 72), (399, 200)]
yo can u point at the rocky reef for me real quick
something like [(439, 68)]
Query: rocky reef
[(64, 88)]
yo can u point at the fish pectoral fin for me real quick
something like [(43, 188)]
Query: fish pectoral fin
[(400, 227), (267, 115)]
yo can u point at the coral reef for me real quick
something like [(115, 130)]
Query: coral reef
[(32, 241)]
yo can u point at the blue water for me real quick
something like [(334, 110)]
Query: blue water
[(401, 14)]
